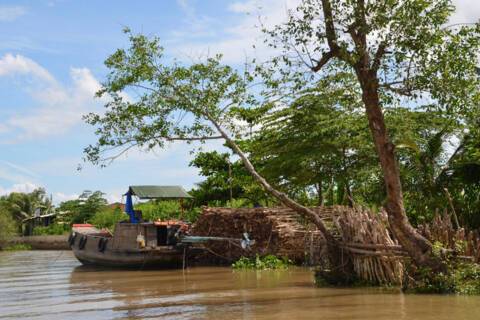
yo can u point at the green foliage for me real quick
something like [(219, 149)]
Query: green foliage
[(462, 278), (411, 53), (428, 281), (7, 227), (313, 140), (467, 279), (23, 205), (84, 208), (222, 177), (166, 209), (53, 229), (316, 146), (268, 262), (416, 63), (18, 247), (175, 101), (108, 218)]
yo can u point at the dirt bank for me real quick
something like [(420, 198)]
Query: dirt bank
[(43, 242)]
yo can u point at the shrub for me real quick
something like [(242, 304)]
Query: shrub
[(18, 247), (7, 228), (166, 209), (53, 229), (461, 278), (268, 262), (108, 218)]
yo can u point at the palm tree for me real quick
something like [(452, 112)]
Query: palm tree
[(23, 205)]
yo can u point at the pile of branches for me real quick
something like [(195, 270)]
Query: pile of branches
[(276, 231), (463, 243), (365, 236)]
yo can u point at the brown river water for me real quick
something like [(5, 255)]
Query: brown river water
[(53, 285)]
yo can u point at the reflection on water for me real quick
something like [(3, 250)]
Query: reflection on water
[(53, 285)]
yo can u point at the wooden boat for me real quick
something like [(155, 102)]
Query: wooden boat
[(137, 243), (132, 245)]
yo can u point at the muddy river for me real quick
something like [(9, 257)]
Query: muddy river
[(53, 285)]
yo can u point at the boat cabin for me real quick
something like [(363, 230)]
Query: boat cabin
[(154, 233)]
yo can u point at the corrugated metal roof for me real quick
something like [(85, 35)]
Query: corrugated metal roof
[(159, 192)]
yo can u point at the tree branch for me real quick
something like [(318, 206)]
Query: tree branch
[(331, 34), (404, 91), (192, 138), (323, 61), (329, 25), (379, 55)]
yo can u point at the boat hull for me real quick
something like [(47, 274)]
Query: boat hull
[(88, 250)]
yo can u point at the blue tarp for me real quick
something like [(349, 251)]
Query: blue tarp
[(129, 208)]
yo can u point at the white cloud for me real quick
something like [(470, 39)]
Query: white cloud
[(17, 64), (244, 7), (58, 197), (113, 197), (195, 25), (236, 42), (19, 187), (467, 11), (11, 13), (235, 37), (58, 107)]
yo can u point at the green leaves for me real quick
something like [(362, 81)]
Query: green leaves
[(408, 45), (23, 205), (222, 176), (152, 100), (268, 262), (83, 209)]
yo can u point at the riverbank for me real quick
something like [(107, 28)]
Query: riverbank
[(54, 242)]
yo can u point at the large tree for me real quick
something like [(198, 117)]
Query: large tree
[(398, 50), (85, 207)]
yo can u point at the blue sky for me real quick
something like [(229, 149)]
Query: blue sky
[(51, 64)]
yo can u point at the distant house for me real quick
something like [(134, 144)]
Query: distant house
[(37, 220)]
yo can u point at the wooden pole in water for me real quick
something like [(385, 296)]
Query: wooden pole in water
[(181, 209), (230, 181)]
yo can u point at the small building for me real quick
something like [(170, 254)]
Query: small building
[(37, 220)]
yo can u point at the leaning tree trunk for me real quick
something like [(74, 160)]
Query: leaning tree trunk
[(419, 248), (337, 262)]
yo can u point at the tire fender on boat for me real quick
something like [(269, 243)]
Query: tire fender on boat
[(102, 244), (82, 243), (71, 238)]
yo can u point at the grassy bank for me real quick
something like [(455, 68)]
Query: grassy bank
[(17, 247)]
